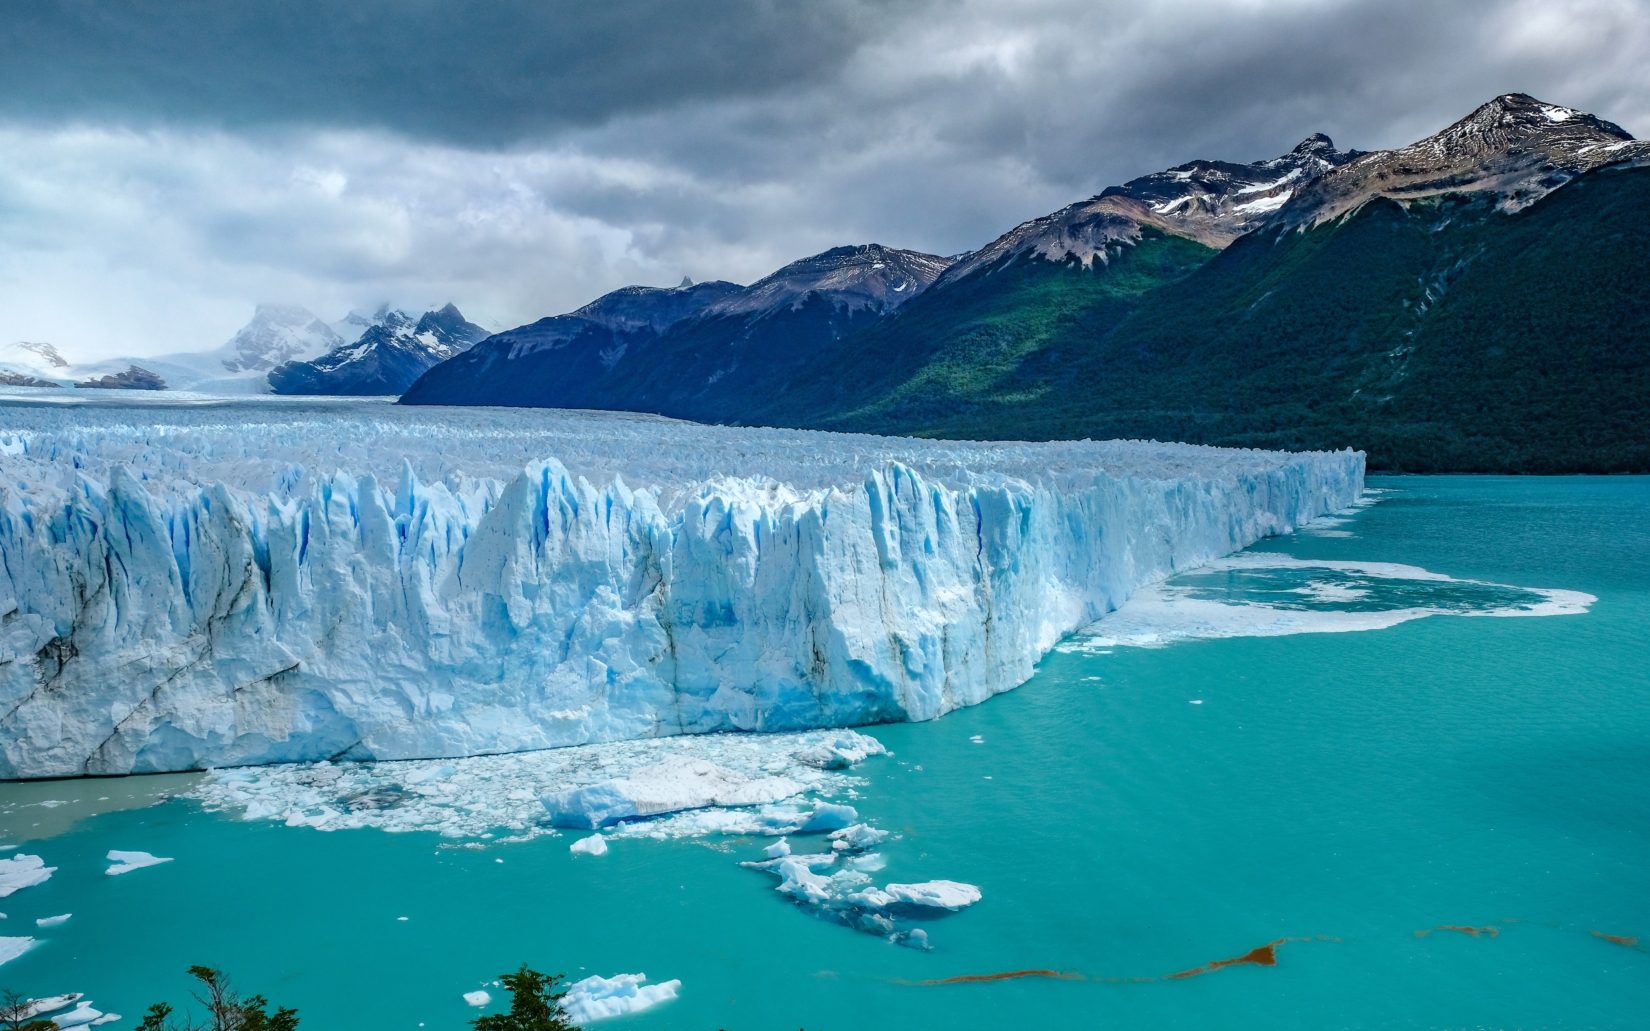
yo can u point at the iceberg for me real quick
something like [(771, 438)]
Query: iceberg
[(201, 585), (598, 998)]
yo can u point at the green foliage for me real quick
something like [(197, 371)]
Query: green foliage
[(225, 1010), (993, 341), (535, 1004)]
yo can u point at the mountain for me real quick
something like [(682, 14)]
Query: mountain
[(277, 334), (1473, 301), (389, 355), (707, 351), (998, 322)]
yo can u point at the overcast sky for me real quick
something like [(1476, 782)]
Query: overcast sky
[(167, 164)]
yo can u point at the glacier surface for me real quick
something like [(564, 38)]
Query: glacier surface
[(214, 584)]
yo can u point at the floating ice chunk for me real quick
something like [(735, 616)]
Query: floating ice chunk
[(53, 921), (23, 871), (672, 786), (594, 845), (846, 749), (598, 998), (479, 997), (952, 895), (11, 948), (858, 836), (978, 739), (915, 938), (126, 862), (782, 847)]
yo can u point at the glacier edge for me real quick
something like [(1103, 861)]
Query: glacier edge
[(160, 614)]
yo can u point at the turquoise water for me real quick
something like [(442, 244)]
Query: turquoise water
[(1340, 792)]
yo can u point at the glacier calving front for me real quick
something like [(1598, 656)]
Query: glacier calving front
[(215, 584)]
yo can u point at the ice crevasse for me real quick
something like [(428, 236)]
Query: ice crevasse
[(189, 587)]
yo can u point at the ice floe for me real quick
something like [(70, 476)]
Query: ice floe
[(23, 871), (1259, 594), (598, 998), (126, 862), (11, 948), (479, 997), (53, 921)]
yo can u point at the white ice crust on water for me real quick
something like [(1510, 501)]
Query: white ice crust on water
[(677, 784), (1171, 612), (598, 998), (23, 871), (126, 862), (241, 583), (482, 796), (11, 948)]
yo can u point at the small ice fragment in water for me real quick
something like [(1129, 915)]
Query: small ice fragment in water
[(594, 845), (978, 739), (53, 921), (1195, 701), (479, 997), (126, 862)]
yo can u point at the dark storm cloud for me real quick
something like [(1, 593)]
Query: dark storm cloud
[(486, 73), (190, 158)]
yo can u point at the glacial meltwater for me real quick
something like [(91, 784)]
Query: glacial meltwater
[(1389, 771)]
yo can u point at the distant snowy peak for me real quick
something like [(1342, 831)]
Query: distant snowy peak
[(1212, 202), (277, 334), (1515, 146), (46, 353), (867, 275), (395, 349)]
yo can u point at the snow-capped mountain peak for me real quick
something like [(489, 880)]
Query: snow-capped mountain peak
[(277, 333), (866, 275), (1516, 147), (1212, 202), (47, 353)]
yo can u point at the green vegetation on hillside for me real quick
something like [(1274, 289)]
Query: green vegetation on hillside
[(983, 345), (1438, 335)]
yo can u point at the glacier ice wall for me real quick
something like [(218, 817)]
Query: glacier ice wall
[(205, 585)]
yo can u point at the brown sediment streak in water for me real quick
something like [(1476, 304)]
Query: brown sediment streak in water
[(1263, 956), (1007, 975), (1617, 939), (1476, 932)]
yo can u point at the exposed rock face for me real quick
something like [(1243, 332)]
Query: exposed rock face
[(135, 377), (1212, 202), (1516, 147)]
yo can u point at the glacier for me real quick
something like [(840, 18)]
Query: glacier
[(243, 582)]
